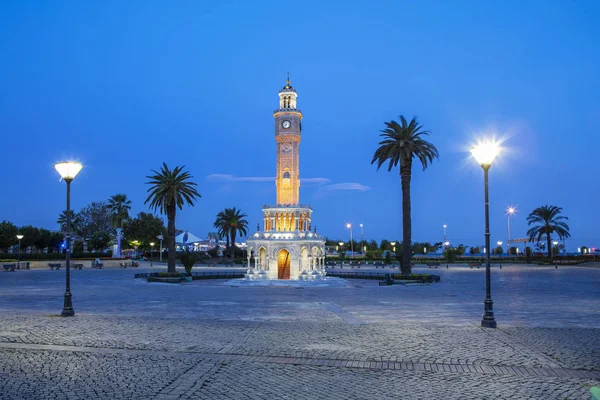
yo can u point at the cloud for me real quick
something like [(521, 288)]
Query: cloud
[(348, 186), (318, 181), (232, 178)]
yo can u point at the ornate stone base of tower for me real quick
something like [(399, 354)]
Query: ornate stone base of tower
[(289, 250)]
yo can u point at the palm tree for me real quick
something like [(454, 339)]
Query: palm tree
[(62, 221), (119, 207), (221, 224), (401, 143), (546, 220), (171, 188), (237, 223)]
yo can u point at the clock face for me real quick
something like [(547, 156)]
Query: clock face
[(286, 147), (286, 124)]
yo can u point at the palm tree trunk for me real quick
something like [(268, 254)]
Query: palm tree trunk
[(405, 171), (171, 211), (233, 234), (549, 248)]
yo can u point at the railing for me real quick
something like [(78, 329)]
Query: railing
[(278, 110), (196, 275), (382, 276)]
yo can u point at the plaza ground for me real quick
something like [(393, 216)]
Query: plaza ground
[(208, 340)]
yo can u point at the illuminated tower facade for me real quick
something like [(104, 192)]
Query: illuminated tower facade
[(287, 246), (288, 130)]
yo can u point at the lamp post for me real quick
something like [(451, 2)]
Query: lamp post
[(361, 236), (19, 255), (555, 243), (349, 226), (68, 171), (445, 226), (160, 237), (393, 247), (485, 153), (151, 252), (499, 243), (509, 211)]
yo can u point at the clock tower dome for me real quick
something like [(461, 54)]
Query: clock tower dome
[(288, 129)]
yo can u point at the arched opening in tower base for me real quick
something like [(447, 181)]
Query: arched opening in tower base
[(283, 264)]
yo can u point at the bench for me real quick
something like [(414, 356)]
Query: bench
[(474, 264), (433, 264), (78, 266), (54, 266), (9, 267), (97, 265), (123, 265)]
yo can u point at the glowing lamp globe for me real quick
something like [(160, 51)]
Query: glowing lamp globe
[(20, 237), (68, 170), (485, 153)]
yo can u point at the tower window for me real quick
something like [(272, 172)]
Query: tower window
[(286, 177)]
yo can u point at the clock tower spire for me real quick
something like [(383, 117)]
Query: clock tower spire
[(288, 129)]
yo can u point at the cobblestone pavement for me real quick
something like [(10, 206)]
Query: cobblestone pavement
[(207, 341)]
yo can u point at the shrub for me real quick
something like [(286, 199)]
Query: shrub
[(188, 259)]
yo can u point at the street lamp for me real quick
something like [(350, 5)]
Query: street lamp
[(393, 247), (499, 243), (160, 237), (19, 255), (68, 171), (509, 211), (151, 252), (445, 226), (485, 153), (349, 226), (361, 235)]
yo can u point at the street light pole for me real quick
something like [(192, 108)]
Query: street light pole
[(19, 255), (160, 237), (485, 154), (349, 226), (509, 211), (361, 237), (68, 171), (151, 252), (445, 226)]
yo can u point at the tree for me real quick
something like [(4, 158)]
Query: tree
[(498, 250), (461, 249), (372, 246), (385, 245), (171, 189), (547, 220), (45, 239), (401, 143), (8, 235), (233, 222), (119, 207), (93, 218), (145, 227), (99, 240), (474, 250), (221, 224), (31, 235), (421, 247), (62, 221)]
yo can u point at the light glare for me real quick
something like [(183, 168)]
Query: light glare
[(68, 170), (485, 153)]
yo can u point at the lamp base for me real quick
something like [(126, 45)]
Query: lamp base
[(67, 310), (488, 323)]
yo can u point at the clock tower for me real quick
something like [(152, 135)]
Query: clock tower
[(288, 246), (288, 130)]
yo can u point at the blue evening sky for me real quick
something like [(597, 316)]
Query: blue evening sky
[(124, 85)]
